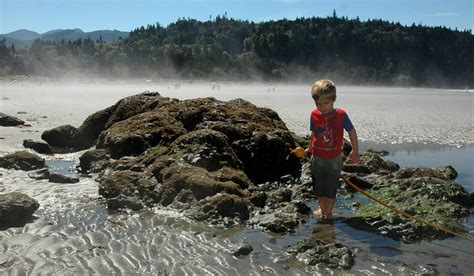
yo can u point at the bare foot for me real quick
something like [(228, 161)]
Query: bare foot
[(328, 216), (318, 213)]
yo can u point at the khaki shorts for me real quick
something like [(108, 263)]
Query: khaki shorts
[(325, 173)]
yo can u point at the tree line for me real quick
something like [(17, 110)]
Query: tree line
[(373, 52)]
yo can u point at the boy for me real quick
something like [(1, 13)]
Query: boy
[(326, 125)]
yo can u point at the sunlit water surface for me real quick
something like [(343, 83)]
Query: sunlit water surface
[(74, 234)]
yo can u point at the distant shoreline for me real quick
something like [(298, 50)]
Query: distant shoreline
[(91, 80)]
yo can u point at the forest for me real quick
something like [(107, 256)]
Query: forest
[(349, 51)]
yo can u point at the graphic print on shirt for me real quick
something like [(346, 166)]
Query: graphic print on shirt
[(324, 133)]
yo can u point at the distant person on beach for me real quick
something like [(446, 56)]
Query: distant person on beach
[(327, 124)]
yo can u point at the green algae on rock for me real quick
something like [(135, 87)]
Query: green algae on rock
[(437, 201)]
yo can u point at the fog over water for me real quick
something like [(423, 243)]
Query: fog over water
[(75, 234)]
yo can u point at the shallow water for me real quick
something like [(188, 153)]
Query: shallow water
[(462, 159), (75, 234)]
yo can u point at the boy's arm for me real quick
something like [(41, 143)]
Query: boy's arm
[(354, 155), (308, 150)]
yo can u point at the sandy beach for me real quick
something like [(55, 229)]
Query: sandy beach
[(383, 116)]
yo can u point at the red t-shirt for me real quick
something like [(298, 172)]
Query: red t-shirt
[(328, 132)]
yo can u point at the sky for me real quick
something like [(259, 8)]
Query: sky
[(125, 15)]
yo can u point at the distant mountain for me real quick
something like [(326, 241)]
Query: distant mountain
[(54, 31), (22, 35), (21, 38), (107, 35), (74, 34), (58, 35)]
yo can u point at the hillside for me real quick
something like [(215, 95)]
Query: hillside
[(22, 38), (373, 52)]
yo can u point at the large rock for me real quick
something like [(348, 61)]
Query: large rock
[(194, 149), (257, 136), (6, 120), (16, 209), (22, 160), (60, 136), (199, 155)]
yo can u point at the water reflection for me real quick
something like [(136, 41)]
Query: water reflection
[(324, 230), (461, 159)]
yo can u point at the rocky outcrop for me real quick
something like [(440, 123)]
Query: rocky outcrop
[(205, 157), (22, 160), (183, 153), (257, 136), (16, 209), (6, 120)]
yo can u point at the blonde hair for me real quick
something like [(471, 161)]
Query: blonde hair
[(323, 88)]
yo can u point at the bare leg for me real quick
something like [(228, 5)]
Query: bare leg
[(320, 211), (329, 203)]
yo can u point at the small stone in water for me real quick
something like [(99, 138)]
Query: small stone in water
[(243, 250)]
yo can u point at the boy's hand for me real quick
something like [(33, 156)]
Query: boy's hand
[(354, 157)]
